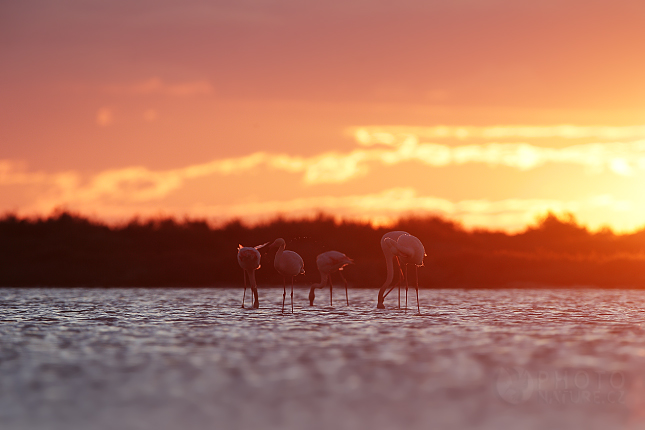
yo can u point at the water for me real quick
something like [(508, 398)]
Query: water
[(192, 359)]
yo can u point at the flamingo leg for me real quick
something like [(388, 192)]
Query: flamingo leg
[(345, 281), (284, 291), (244, 295), (417, 288), (399, 290), (331, 293), (400, 278), (256, 303), (406, 288), (398, 284), (254, 289), (312, 296), (390, 290), (292, 294)]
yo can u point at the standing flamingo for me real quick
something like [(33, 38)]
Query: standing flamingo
[(287, 263), (328, 262), (408, 250), (249, 260)]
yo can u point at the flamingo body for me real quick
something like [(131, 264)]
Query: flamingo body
[(288, 264), (408, 248), (248, 258), (329, 262)]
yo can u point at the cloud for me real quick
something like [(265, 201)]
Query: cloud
[(622, 158), (120, 193), (15, 173), (392, 135), (617, 157), (384, 208), (129, 185), (156, 85), (140, 184), (137, 189)]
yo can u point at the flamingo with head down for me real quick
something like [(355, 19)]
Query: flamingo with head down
[(287, 263), (407, 249), (249, 260), (329, 262)]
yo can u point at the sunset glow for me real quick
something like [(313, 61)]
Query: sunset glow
[(475, 112)]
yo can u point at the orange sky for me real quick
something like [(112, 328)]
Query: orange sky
[(490, 112)]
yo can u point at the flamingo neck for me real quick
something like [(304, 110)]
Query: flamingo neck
[(389, 263), (278, 255)]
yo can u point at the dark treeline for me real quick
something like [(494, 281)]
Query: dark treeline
[(70, 250)]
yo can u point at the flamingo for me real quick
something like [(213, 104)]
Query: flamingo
[(408, 250), (389, 262), (287, 263), (328, 262), (249, 260)]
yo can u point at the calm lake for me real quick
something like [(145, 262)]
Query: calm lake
[(193, 359)]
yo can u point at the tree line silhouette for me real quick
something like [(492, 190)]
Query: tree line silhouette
[(66, 249)]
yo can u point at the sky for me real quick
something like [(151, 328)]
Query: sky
[(487, 112)]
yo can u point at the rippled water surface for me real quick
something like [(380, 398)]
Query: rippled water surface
[(193, 359)]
